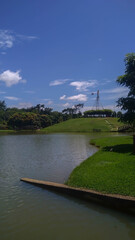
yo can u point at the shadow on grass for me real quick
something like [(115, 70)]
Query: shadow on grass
[(121, 148)]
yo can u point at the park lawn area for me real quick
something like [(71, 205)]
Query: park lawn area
[(110, 170), (7, 131), (85, 125)]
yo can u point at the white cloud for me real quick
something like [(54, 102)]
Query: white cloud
[(114, 97), (12, 98), (49, 103), (115, 93), (63, 97), (79, 97), (11, 78), (109, 81), (116, 90), (8, 38), (24, 105), (83, 85), (59, 82), (66, 105)]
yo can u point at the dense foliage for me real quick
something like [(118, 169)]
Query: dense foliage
[(39, 116), (28, 121), (35, 117), (99, 113), (128, 80)]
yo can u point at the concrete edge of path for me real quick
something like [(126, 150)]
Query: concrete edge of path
[(120, 202)]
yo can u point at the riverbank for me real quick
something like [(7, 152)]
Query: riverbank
[(85, 125), (110, 170)]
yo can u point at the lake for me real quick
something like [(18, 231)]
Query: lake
[(30, 212)]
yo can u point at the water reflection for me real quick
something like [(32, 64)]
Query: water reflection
[(29, 212)]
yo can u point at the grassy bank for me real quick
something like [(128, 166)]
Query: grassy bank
[(6, 131), (85, 125), (110, 170)]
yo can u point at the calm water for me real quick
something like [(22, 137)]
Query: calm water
[(29, 212)]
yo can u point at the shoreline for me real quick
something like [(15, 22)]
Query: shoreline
[(119, 202), (107, 198), (99, 150), (104, 179)]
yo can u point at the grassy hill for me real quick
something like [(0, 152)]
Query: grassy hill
[(110, 170), (85, 125)]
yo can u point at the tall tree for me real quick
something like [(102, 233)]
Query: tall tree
[(128, 103), (78, 108), (2, 105)]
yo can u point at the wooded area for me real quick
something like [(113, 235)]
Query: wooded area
[(39, 116)]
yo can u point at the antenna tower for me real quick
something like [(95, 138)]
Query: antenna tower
[(97, 102)]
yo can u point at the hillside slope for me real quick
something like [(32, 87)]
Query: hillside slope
[(85, 125), (110, 170)]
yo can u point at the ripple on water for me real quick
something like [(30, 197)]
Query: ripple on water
[(29, 212)]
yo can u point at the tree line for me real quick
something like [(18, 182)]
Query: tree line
[(34, 117), (39, 116), (102, 113)]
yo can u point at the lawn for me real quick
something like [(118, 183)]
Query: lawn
[(110, 170), (7, 131), (85, 125)]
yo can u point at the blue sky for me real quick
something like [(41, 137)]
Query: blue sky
[(58, 52)]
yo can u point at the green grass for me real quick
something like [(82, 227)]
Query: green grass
[(85, 125), (110, 170), (6, 131)]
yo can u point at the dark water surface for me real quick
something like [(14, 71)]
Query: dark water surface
[(29, 212)]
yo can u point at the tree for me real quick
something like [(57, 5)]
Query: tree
[(56, 117), (47, 111), (45, 121), (2, 111), (78, 108), (2, 105), (119, 114), (24, 121), (74, 112), (69, 111), (114, 114), (28, 121), (98, 113), (128, 103)]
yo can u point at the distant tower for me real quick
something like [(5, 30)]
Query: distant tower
[(98, 104), (97, 100)]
